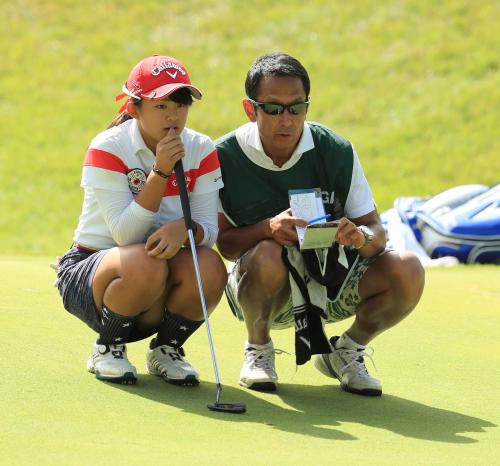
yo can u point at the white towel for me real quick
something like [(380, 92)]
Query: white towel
[(309, 308)]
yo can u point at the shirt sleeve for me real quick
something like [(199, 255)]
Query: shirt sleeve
[(128, 222), (204, 212), (208, 173), (104, 167), (360, 199)]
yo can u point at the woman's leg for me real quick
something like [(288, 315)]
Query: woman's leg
[(184, 314), (127, 284)]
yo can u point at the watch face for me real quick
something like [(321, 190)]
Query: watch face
[(369, 235)]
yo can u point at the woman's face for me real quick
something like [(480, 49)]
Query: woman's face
[(156, 117)]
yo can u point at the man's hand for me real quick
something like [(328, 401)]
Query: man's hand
[(349, 235), (282, 227)]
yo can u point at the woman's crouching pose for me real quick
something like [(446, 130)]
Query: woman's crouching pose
[(129, 274)]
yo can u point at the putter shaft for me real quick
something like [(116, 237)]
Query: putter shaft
[(204, 308)]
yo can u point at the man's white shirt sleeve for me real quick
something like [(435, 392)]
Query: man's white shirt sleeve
[(360, 198)]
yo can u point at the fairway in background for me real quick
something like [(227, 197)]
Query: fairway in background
[(439, 369), (414, 84)]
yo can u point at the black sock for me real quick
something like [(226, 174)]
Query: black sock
[(175, 330), (115, 328)]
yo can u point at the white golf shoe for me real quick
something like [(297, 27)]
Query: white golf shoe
[(169, 363), (258, 372), (110, 363), (348, 366)]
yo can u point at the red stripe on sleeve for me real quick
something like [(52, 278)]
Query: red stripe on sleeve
[(102, 159), (207, 165)]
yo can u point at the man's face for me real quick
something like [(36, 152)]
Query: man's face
[(280, 134)]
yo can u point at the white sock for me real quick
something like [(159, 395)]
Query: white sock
[(345, 341), (269, 344)]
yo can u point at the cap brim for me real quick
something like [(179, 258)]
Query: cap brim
[(164, 91)]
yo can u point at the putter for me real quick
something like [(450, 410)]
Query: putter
[(186, 210)]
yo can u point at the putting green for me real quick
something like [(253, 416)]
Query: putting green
[(440, 370)]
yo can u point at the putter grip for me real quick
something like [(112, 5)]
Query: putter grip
[(181, 183)]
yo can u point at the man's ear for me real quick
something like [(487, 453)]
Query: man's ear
[(131, 109), (249, 110)]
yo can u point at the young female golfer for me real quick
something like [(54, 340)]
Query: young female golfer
[(129, 274)]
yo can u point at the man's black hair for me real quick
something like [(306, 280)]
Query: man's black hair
[(274, 64)]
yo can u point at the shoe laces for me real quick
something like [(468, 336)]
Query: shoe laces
[(263, 358), (356, 359)]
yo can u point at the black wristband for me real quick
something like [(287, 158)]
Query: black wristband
[(160, 173)]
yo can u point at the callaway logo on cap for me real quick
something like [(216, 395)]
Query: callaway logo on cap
[(156, 77)]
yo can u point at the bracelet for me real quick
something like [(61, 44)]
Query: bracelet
[(160, 173)]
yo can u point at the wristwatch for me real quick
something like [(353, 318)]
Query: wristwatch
[(367, 233)]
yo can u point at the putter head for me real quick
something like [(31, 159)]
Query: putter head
[(227, 407)]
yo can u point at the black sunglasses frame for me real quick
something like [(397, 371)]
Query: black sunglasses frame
[(280, 108)]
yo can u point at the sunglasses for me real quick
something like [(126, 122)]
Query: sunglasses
[(278, 109)]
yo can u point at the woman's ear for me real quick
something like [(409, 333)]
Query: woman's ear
[(249, 110), (131, 109)]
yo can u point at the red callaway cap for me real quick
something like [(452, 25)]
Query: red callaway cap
[(156, 77)]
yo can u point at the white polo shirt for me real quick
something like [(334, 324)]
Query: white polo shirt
[(115, 169)]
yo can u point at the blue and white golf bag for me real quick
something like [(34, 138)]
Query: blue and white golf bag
[(463, 222)]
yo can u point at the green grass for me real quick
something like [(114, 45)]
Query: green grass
[(414, 84), (439, 369)]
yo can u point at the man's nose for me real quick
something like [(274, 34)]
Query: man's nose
[(286, 118)]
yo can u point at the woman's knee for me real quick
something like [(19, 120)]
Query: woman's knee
[(143, 272), (212, 268)]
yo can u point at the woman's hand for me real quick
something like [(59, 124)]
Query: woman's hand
[(169, 150), (165, 242)]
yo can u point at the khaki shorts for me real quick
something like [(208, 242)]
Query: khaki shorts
[(341, 308)]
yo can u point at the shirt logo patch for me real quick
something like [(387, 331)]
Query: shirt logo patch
[(136, 180), (188, 182)]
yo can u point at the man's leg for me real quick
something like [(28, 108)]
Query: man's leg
[(262, 291), (389, 290)]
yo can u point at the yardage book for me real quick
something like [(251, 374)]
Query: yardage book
[(308, 204)]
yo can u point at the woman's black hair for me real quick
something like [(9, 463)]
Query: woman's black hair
[(275, 64), (181, 96)]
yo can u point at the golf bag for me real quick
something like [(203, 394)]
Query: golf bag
[(463, 222)]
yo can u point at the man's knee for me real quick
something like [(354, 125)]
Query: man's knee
[(408, 278), (264, 266)]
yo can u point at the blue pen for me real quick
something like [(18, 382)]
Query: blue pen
[(318, 219)]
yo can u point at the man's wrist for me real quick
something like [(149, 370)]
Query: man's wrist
[(368, 236), (266, 228)]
